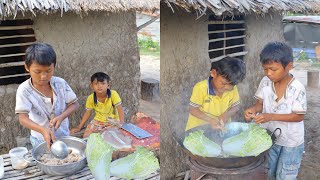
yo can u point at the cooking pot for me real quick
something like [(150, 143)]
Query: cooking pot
[(218, 137), (75, 144)]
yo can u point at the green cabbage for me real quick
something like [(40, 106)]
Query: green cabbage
[(99, 155), (198, 144), (135, 166), (251, 142)]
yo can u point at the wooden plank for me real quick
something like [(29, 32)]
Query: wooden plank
[(187, 176), (12, 64), (18, 44), (10, 170), (180, 174), (15, 27), (34, 174), (148, 22), (227, 38), (7, 162), (4, 156), (154, 178), (154, 175), (226, 22), (12, 55), (230, 55), (85, 170), (224, 42), (45, 176), (90, 176), (15, 75), (227, 30), (24, 173), (229, 47), (17, 36)]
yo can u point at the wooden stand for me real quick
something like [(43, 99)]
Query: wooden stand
[(150, 89), (313, 78)]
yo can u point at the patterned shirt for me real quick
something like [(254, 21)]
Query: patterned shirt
[(39, 107), (294, 101)]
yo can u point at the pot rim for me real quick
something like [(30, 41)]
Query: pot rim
[(61, 165)]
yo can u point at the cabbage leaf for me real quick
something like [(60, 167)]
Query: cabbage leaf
[(198, 144), (99, 155), (138, 165), (251, 142)]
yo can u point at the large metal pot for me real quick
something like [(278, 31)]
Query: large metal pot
[(73, 143), (223, 161)]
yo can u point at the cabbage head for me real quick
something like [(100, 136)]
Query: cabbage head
[(99, 155), (137, 165), (251, 142), (198, 144)]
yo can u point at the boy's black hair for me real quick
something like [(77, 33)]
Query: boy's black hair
[(233, 69), (40, 53), (100, 77), (278, 52)]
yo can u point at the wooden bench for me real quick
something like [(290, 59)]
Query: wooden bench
[(32, 172)]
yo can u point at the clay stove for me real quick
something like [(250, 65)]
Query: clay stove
[(253, 171)]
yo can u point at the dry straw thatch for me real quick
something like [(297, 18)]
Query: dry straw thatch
[(10, 8), (258, 7)]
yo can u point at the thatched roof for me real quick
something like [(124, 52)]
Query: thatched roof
[(259, 7), (13, 7)]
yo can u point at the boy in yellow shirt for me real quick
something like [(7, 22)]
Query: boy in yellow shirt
[(105, 102), (216, 99)]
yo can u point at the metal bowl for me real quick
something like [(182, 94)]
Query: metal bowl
[(73, 143)]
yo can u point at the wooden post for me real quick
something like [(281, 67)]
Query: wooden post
[(150, 89), (313, 78)]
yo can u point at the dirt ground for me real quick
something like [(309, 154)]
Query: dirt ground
[(311, 160), (150, 68), (310, 167)]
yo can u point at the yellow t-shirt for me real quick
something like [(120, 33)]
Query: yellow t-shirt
[(203, 96), (105, 109)]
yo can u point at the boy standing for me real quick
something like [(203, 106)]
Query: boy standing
[(44, 101), (281, 100), (216, 99)]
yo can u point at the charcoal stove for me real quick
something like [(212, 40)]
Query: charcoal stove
[(253, 171), (224, 166)]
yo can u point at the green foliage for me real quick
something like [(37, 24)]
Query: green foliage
[(303, 56), (135, 166), (197, 143), (99, 155), (248, 143), (147, 46)]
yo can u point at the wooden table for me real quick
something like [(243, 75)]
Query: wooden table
[(34, 173)]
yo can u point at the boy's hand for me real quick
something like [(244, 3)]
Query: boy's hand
[(216, 124), (55, 122), (223, 119), (48, 136), (75, 130), (249, 114), (262, 118)]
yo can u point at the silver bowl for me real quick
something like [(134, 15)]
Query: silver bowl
[(73, 143)]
